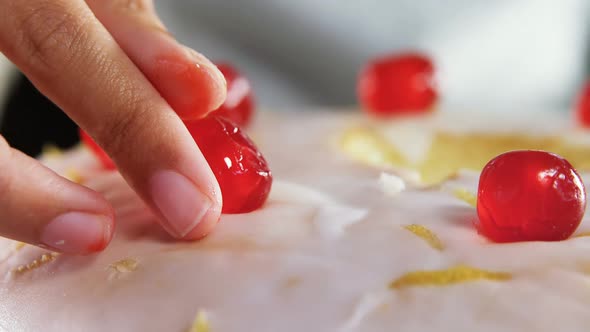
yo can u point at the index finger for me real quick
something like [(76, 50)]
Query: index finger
[(71, 57)]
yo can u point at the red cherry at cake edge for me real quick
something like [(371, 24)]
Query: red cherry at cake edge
[(239, 102), (97, 151), (583, 106), (242, 172), (397, 84), (529, 196)]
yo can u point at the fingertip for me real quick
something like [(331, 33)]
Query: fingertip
[(78, 232), (217, 83), (191, 84), (205, 226), (186, 210)]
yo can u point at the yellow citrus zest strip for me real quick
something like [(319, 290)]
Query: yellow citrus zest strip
[(426, 234), (454, 275), (201, 323), (466, 196)]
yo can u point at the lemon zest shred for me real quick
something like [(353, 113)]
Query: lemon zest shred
[(453, 275), (451, 152), (427, 235), (201, 323), (466, 196)]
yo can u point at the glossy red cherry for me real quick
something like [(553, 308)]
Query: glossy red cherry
[(583, 106), (239, 103), (98, 152), (241, 170), (398, 83), (529, 196)]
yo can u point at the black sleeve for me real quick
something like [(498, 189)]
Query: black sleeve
[(30, 120)]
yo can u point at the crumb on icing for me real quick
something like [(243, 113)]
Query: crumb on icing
[(200, 323), (125, 265), (19, 245), (121, 267), (454, 275), (450, 152), (426, 234), (73, 175), (36, 263), (292, 282), (391, 184), (466, 196)]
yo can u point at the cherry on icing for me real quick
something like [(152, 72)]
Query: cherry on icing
[(242, 172), (239, 103), (98, 152), (529, 196), (583, 106), (397, 83)]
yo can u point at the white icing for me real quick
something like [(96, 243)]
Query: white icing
[(331, 217), (391, 184), (290, 192), (411, 137), (329, 231), (332, 220), (366, 305)]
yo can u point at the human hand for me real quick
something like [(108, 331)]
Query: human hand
[(113, 68)]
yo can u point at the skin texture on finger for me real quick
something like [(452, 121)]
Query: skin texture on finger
[(39, 207), (72, 58), (189, 82)]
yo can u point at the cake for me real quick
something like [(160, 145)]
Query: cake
[(368, 227)]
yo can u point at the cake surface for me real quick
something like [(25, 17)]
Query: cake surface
[(367, 228)]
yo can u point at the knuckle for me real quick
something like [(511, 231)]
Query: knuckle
[(129, 124), (52, 34)]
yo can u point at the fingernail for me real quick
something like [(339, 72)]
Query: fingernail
[(215, 74), (77, 233), (201, 60), (189, 82), (179, 201)]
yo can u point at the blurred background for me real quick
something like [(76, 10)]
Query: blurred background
[(491, 56)]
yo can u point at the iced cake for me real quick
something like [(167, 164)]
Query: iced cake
[(368, 227)]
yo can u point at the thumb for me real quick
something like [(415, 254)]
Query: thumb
[(39, 207)]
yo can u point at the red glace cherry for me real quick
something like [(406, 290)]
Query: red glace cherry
[(239, 103), (529, 196), (98, 152), (398, 83), (583, 106), (242, 172)]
